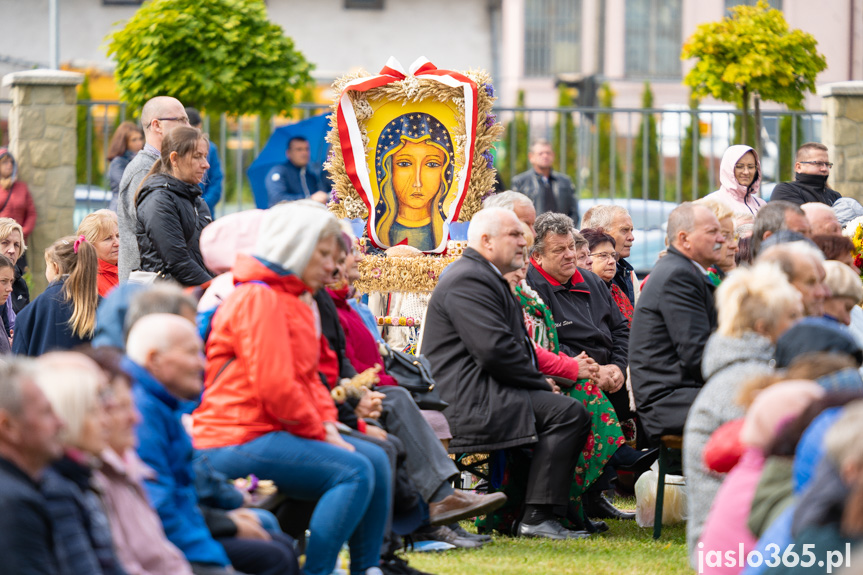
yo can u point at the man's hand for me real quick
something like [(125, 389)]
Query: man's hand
[(551, 383), (609, 379), (248, 525), (322, 197), (370, 405), (376, 432), (587, 366), (333, 437)]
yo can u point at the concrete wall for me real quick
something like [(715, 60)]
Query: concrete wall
[(843, 135)]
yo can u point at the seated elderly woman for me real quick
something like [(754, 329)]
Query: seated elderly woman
[(265, 410), (78, 392), (603, 261), (755, 306), (727, 225), (12, 246), (846, 292), (101, 231), (839, 248)]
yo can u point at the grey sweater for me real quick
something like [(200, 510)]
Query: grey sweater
[(130, 258), (728, 362)]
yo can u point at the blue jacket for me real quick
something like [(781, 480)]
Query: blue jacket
[(27, 542), (43, 325), (164, 446), (285, 183), (211, 187)]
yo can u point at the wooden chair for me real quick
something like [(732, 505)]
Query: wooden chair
[(668, 444)]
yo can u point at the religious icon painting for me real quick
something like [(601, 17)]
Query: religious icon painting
[(411, 152)]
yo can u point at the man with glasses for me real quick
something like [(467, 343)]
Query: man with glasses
[(158, 116), (810, 179), (617, 222)]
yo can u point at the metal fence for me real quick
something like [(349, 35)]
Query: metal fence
[(670, 153)]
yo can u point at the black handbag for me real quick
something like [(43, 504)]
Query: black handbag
[(413, 373)]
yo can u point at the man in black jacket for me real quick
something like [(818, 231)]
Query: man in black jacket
[(673, 319), (486, 369), (550, 191), (29, 442), (811, 170), (586, 317)]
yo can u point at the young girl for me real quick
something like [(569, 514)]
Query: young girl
[(7, 314), (64, 315)]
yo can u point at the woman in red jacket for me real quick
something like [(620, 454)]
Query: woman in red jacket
[(265, 411)]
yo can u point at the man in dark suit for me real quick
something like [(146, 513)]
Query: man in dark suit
[(485, 367), (29, 442), (673, 319), (549, 191)]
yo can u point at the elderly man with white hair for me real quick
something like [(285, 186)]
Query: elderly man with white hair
[(517, 202), (486, 368), (822, 219), (617, 222)]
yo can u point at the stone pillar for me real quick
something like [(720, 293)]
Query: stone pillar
[(842, 133), (42, 137)]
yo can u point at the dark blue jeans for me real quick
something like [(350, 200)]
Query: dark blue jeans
[(352, 489)]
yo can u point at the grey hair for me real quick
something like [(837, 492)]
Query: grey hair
[(787, 255), (816, 207), (601, 216), (580, 240), (539, 142), (507, 200), (681, 219), (162, 297), (485, 222), (548, 224), (771, 218), (14, 371)]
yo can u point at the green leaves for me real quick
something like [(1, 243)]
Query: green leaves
[(753, 51), (219, 55)]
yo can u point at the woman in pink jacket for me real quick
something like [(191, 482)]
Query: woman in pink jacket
[(740, 181)]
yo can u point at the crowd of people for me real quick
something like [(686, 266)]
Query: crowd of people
[(175, 361)]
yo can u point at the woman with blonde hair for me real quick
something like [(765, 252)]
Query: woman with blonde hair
[(100, 229), (12, 246), (64, 315), (754, 307), (78, 392), (846, 292), (727, 227)]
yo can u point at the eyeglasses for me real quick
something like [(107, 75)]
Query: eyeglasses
[(819, 164), (732, 236), (181, 119), (606, 255), (742, 167)]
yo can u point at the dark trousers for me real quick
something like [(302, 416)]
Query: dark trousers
[(562, 425), (256, 557)]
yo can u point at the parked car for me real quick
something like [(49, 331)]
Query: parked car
[(649, 219), (88, 199)]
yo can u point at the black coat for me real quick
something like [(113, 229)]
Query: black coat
[(586, 317), (673, 319), (529, 183), (481, 358), (804, 189), (27, 543), (171, 215)]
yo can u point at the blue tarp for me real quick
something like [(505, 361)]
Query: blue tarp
[(314, 130)]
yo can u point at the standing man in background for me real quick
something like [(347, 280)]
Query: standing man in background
[(549, 191)]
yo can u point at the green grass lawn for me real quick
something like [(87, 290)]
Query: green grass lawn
[(623, 550)]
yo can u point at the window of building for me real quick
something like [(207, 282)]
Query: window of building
[(729, 4), (653, 38), (552, 37), (364, 4)]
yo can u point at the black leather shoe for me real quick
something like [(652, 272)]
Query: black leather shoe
[(550, 529), (581, 523), (464, 534), (598, 507)]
